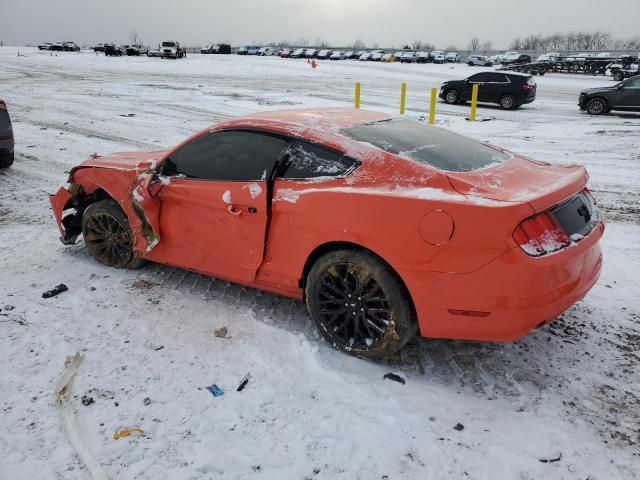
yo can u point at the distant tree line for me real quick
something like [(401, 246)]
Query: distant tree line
[(598, 40)]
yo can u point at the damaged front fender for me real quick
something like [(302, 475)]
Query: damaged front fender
[(147, 208), (59, 202)]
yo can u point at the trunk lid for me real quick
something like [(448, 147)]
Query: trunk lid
[(542, 185)]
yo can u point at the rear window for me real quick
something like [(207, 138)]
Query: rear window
[(428, 145)]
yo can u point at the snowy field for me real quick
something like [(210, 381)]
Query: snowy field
[(563, 403)]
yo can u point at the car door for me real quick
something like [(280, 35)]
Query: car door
[(481, 80), (214, 203), (628, 96), (496, 85)]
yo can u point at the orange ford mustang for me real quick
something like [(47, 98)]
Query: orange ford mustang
[(386, 227)]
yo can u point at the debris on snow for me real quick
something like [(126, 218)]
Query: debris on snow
[(127, 432), (221, 332), (394, 377), (244, 382), (55, 291), (459, 427), (215, 390)]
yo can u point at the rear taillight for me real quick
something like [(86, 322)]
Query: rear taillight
[(540, 234), (526, 87)]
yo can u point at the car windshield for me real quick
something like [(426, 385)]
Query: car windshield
[(168, 44), (431, 146)]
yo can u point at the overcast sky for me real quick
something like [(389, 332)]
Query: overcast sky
[(339, 22)]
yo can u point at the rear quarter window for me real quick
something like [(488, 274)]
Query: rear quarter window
[(428, 145)]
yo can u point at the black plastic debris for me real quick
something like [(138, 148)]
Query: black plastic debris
[(551, 460), (87, 400), (55, 291), (146, 401), (459, 427), (244, 382), (394, 377)]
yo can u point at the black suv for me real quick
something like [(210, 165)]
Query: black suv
[(622, 96), (508, 89)]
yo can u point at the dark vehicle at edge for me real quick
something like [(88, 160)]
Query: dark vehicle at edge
[(624, 96), (507, 89), (6, 137)]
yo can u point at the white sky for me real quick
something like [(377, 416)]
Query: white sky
[(339, 22)]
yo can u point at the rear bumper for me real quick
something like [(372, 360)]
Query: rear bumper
[(526, 100), (515, 292)]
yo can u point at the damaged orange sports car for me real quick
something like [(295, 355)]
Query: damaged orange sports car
[(386, 227)]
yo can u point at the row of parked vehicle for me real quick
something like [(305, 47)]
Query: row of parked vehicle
[(59, 46), (166, 49), (404, 56)]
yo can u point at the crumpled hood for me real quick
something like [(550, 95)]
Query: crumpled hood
[(124, 160), (520, 179)]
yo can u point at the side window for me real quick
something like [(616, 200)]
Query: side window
[(632, 83), (307, 160), (242, 156), (480, 77), (497, 78)]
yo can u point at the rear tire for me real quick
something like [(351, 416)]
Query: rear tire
[(6, 160), (359, 304), (108, 236), (508, 102), (596, 106), (618, 76)]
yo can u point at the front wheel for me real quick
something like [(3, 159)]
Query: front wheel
[(596, 106), (451, 97), (508, 102), (108, 236), (359, 304), (618, 76)]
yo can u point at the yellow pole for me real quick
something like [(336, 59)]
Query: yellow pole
[(432, 106), (403, 97), (474, 102), (357, 100)]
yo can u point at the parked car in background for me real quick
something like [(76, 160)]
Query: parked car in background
[(509, 57), (284, 53), (311, 53), (479, 60), (6, 137), (624, 96), (453, 57), (508, 89), (337, 55), (324, 54), (207, 49), (99, 48), (388, 58), (153, 53), (366, 56), (266, 51), (548, 57), (439, 58), (136, 50), (434, 53), (70, 47), (350, 55), (112, 50), (299, 53), (243, 50), (171, 49), (45, 46), (422, 57), (469, 258), (398, 55), (221, 49), (520, 59), (408, 57), (376, 55), (56, 47)]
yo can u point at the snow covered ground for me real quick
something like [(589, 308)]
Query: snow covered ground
[(570, 391)]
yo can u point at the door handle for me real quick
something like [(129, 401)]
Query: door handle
[(232, 210)]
